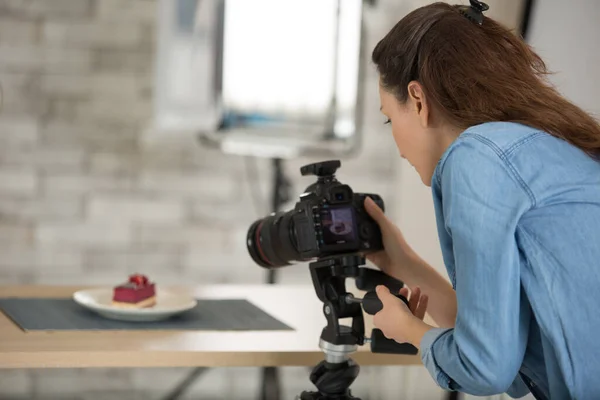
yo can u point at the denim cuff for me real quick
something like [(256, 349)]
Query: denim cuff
[(428, 357)]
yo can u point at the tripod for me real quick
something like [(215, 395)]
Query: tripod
[(335, 374)]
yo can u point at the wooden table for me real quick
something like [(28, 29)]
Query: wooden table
[(296, 306)]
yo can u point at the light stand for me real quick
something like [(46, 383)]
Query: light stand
[(334, 375), (281, 192)]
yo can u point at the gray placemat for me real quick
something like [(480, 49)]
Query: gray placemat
[(35, 314)]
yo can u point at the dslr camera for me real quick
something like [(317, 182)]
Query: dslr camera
[(329, 219)]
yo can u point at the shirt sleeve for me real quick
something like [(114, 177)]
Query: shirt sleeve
[(518, 388), (482, 201)]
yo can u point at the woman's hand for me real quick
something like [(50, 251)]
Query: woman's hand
[(399, 322), (397, 257), (417, 302), (400, 261)]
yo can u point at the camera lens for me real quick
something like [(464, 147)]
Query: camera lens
[(271, 241)]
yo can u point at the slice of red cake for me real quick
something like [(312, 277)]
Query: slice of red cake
[(138, 292)]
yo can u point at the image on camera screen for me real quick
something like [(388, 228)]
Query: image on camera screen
[(338, 225)]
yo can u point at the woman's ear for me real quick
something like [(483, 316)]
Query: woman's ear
[(418, 102)]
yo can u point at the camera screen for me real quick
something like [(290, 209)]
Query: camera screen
[(338, 225)]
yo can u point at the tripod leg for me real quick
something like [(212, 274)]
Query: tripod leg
[(270, 384)]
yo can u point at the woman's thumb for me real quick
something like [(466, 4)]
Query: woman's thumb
[(383, 293), (375, 212)]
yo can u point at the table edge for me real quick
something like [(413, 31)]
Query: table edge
[(123, 359)]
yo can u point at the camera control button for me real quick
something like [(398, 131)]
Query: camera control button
[(365, 232)]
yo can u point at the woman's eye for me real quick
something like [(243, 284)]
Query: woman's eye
[(388, 121)]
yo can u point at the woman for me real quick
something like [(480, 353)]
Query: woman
[(515, 175)]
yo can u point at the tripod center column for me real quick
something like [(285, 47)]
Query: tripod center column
[(337, 353)]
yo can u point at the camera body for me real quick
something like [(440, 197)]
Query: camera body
[(329, 219)]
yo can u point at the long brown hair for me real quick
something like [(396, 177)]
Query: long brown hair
[(478, 73)]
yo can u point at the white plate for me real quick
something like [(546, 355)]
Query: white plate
[(167, 305)]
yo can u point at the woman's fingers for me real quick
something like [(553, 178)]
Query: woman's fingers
[(422, 307), (375, 212), (404, 293), (376, 258), (417, 302), (413, 302)]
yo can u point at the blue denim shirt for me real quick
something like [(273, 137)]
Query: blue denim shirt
[(518, 216)]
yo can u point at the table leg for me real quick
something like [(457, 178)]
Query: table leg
[(270, 384), (183, 386), (454, 396)]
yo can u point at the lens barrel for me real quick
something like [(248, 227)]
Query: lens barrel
[(271, 241)]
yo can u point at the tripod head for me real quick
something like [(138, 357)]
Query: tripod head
[(335, 374)]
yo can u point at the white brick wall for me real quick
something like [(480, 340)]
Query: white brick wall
[(207, 186), (107, 135), (91, 34), (17, 32), (55, 158), (82, 234), (19, 59), (40, 258), (42, 208), (57, 9), (124, 209), (17, 131), (111, 85), (18, 181), (127, 11), (162, 261), (202, 237), (71, 184)]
